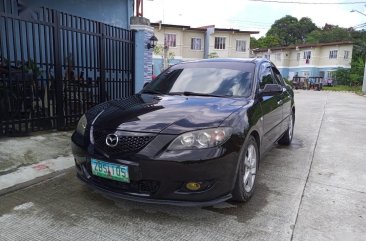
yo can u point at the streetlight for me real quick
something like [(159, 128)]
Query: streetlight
[(364, 72)]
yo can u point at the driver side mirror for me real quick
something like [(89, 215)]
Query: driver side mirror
[(271, 90)]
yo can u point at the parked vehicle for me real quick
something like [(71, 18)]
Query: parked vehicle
[(316, 83), (193, 136), (300, 83)]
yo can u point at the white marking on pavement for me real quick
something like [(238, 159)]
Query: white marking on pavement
[(23, 206)]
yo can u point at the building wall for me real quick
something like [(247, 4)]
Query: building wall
[(113, 12), (188, 53), (232, 47), (222, 53), (340, 60), (160, 35), (183, 51), (230, 42), (319, 64)]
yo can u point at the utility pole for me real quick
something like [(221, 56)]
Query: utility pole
[(364, 72)]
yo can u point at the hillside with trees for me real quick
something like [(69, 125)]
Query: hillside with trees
[(289, 31)]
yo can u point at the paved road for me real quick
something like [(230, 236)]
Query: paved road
[(312, 190)]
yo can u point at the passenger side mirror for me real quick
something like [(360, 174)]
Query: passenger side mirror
[(145, 84), (271, 90)]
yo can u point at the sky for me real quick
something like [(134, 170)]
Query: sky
[(251, 15)]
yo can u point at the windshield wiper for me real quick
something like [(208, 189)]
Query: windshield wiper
[(152, 92), (189, 93)]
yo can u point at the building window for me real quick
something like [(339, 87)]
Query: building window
[(170, 40), (298, 57), (330, 74), (278, 56), (346, 54), (220, 42), (307, 54), (333, 54), (241, 45), (195, 43)]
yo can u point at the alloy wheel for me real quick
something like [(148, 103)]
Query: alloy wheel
[(250, 168)]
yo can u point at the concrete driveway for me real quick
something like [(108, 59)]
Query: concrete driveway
[(313, 190)]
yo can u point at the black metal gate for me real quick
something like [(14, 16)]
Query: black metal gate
[(54, 66)]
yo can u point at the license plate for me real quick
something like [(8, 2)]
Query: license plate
[(110, 170)]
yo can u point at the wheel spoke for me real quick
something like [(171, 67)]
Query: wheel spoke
[(249, 154), (246, 175), (247, 162), (250, 182), (253, 170)]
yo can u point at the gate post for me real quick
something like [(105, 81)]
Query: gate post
[(60, 115), (143, 55)]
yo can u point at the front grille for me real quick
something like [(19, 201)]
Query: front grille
[(127, 142)]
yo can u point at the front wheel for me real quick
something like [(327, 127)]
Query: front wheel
[(286, 139), (248, 166)]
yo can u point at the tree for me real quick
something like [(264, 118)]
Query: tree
[(265, 42), (289, 30), (329, 33), (305, 26)]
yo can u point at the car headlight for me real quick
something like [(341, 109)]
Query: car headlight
[(201, 139), (82, 125)]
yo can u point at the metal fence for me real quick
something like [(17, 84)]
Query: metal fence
[(54, 66)]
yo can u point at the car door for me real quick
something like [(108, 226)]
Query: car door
[(285, 99), (271, 107)]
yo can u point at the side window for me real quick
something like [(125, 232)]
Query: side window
[(265, 76), (278, 76)]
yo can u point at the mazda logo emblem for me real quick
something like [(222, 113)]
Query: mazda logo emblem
[(111, 140)]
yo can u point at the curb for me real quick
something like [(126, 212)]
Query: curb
[(33, 174)]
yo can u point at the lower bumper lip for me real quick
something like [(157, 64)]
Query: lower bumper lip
[(155, 201)]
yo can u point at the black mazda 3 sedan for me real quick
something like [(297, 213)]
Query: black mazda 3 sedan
[(192, 136)]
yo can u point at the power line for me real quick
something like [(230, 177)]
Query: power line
[(297, 2)]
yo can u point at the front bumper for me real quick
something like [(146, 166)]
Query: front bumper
[(163, 180)]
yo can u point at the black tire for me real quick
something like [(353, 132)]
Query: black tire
[(240, 192), (286, 139)]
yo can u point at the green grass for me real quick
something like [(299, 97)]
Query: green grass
[(355, 89)]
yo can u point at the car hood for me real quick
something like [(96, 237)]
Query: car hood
[(166, 114)]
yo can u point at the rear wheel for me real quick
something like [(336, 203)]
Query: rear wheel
[(287, 136), (248, 166)]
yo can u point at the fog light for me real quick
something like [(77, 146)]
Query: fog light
[(193, 186)]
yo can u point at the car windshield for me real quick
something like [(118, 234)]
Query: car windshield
[(204, 80)]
